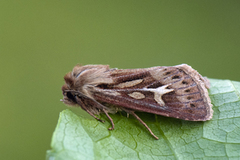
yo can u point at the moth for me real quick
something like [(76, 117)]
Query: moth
[(172, 91)]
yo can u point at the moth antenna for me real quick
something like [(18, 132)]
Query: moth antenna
[(111, 128), (141, 121), (85, 108)]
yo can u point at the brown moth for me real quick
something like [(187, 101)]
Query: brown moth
[(176, 91)]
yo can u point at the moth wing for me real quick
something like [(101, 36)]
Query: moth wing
[(177, 91)]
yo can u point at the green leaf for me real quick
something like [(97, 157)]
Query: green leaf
[(82, 137)]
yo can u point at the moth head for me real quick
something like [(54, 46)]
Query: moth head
[(68, 97), (83, 79)]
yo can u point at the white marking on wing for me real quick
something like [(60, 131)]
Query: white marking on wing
[(158, 93), (137, 95)]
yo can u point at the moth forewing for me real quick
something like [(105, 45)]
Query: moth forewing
[(177, 91)]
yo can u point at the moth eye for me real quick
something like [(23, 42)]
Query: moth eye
[(187, 90), (71, 97), (192, 105), (175, 77)]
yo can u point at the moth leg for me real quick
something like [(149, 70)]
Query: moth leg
[(111, 128), (85, 108), (94, 116), (141, 121)]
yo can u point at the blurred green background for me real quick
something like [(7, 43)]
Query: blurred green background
[(41, 40)]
